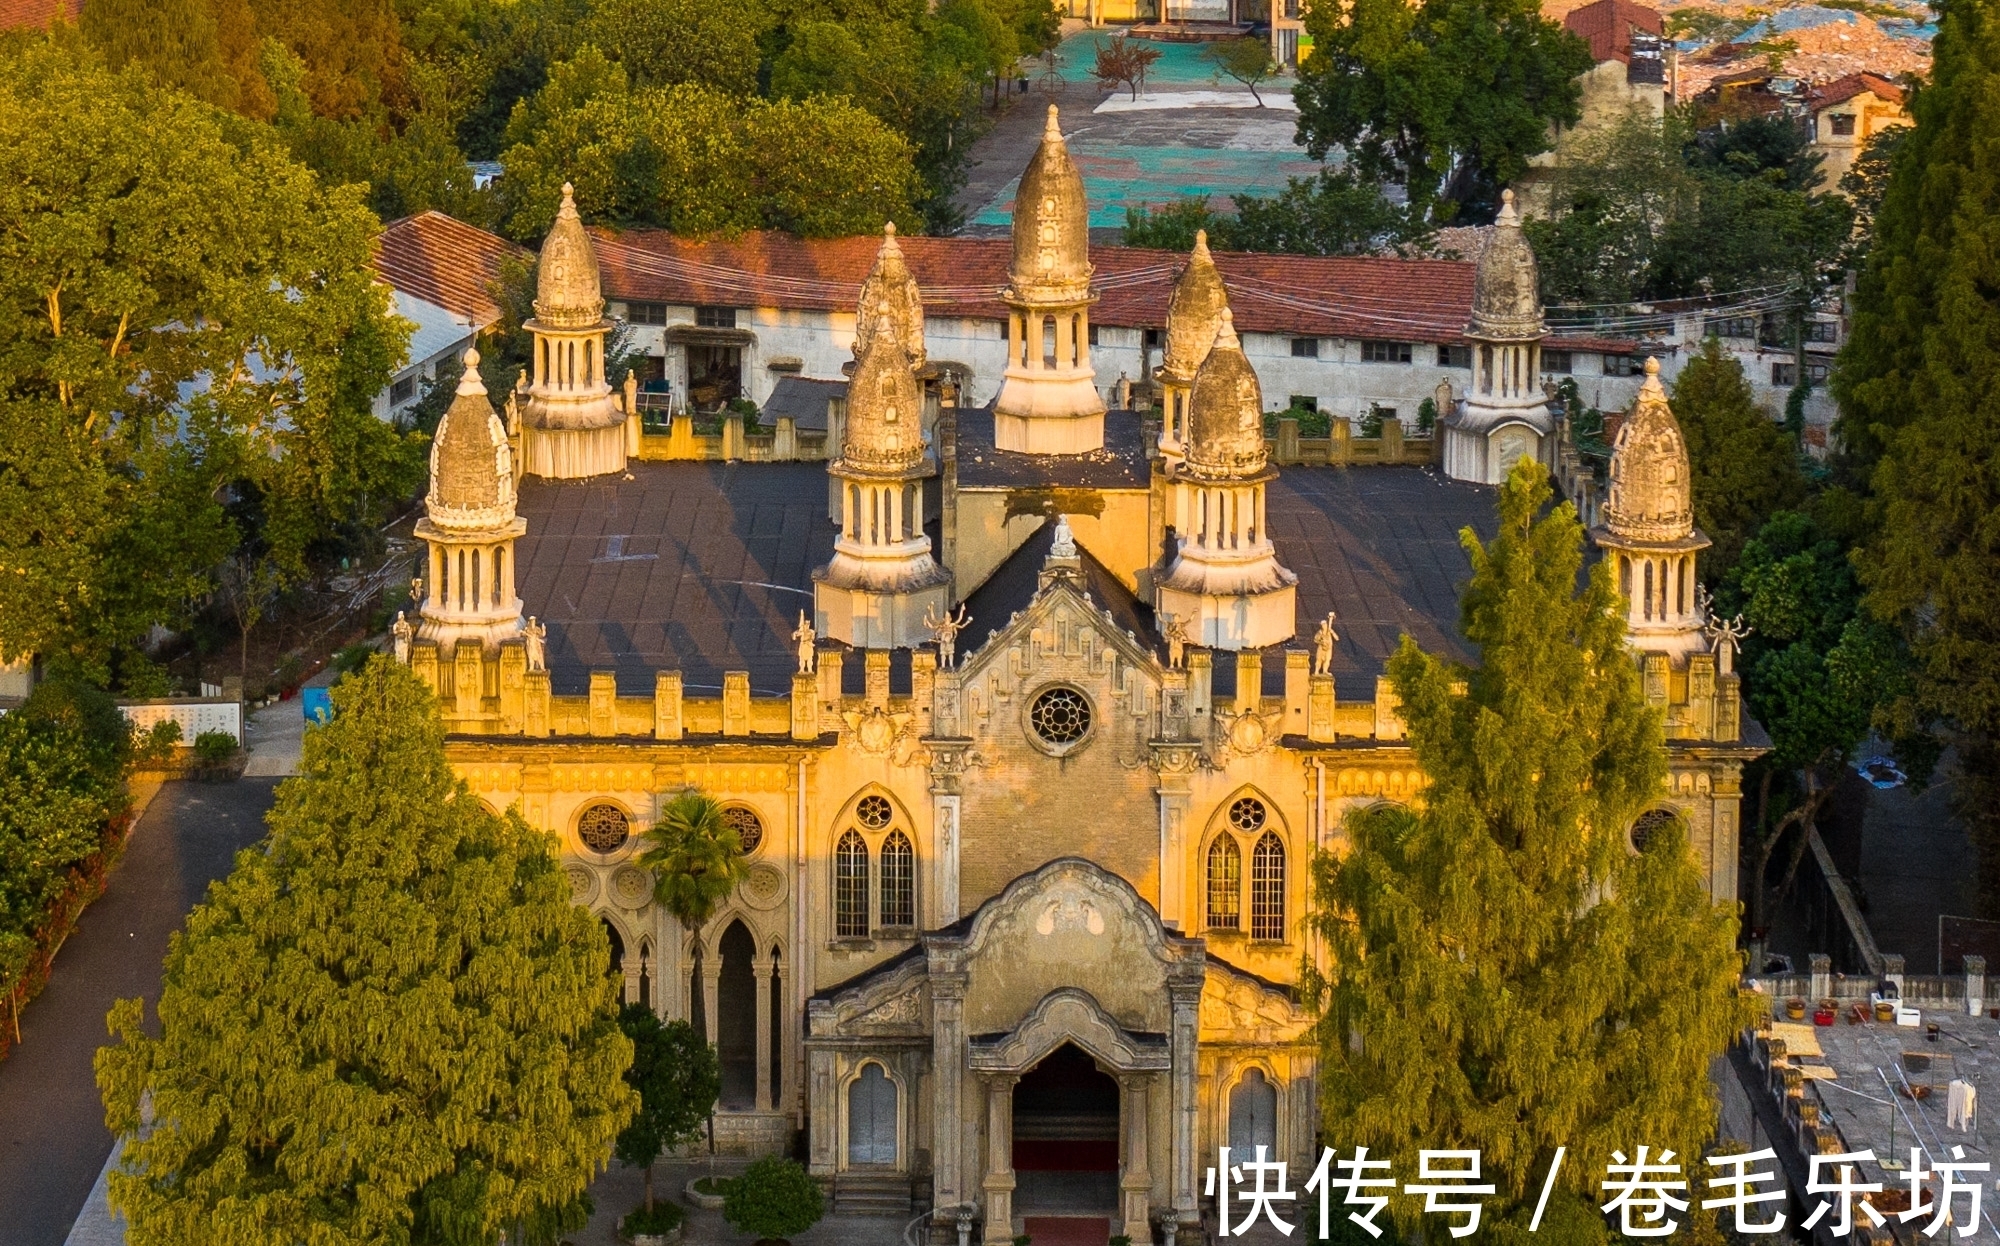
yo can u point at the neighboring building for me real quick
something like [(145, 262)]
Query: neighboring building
[(1024, 916), (1846, 113), (443, 274), (1631, 71)]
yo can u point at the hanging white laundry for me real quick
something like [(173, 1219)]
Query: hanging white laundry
[(1961, 1100)]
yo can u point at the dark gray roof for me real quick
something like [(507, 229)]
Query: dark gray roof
[(704, 567), (1121, 464), (804, 398)]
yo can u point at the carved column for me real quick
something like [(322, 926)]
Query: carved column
[(1173, 764), (711, 980), (760, 970), (947, 777), (631, 968), (823, 1115), (999, 1182), (1185, 992), (947, 1093), (1135, 1188)]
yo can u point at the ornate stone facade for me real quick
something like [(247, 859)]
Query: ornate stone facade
[(572, 425), (469, 526)]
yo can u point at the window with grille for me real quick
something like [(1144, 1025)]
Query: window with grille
[(748, 827), (1842, 124), (603, 828), (1621, 365), (715, 317), (1225, 884), (899, 881), (874, 812), (646, 313), (1267, 888), (1558, 362), (1385, 352), (1784, 374), (1454, 356), (1649, 824), (850, 887), (1732, 326), (1305, 348), (402, 391)]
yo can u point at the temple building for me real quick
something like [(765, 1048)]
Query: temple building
[(1030, 713)]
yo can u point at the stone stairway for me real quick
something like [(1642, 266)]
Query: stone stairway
[(861, 1193)]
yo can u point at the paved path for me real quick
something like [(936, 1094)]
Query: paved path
[(53, 1143)]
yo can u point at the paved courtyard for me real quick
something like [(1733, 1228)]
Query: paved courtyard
[(1187, 134)]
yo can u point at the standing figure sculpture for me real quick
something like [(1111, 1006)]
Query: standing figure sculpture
[(806, 639), (1323, 641), (945, 631), (401, 633), (1177, 639), (1727, 636), (535, 635)]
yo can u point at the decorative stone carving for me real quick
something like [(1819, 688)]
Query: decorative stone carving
[(582, 882), (765, 888), (875, 729), (1069, 1015), (902, 1012), (631, 886), (1066, 912)]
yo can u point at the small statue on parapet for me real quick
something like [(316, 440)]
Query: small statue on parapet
[(808, 645), (1323, 641), (945, 631)]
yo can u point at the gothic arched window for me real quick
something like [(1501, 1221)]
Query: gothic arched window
[(899, 881), (1225, 884), (1267, 888), (850, 887)]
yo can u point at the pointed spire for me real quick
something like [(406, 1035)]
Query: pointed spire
[(890, 301), (470, 382), (1226, 411), (1194, 313), (1225, 333), (1506, 288), (567, 290), (1650, 494), (1052, 132), (472, 465)]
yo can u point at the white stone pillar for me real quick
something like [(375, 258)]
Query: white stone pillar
[(1186, 997), (711, 981), (947, 1094), (760, 970), (999, 1183), (1135, 1186)]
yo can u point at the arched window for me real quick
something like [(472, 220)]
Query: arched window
[(1267, 888), (736, 1017), (871, 1117), (899, 881), (1225, 884), (850, 887), (1253, 1116)]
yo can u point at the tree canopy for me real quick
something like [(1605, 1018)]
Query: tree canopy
[(677, 1077), (174, 379), (389, 1023), (1447, 98), (1508, 970), (1336, 212), (1745, 467)]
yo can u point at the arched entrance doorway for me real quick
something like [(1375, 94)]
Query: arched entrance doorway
[(1066, 1137), (736, 1019)]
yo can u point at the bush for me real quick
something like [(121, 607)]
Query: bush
[(774, 1198), (352, 658), (665, 1217), (214, 748), (158, 744)]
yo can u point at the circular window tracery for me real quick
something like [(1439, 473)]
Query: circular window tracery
[(1648, 824), (603, 828), (874, 812), (748, 827), (1060, 716), (1247, 814)]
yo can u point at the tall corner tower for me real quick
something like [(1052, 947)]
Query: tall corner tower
[(1504, 416), (1648, 527), (470, 524), (1224, 583), (1048, 401), (572, 426)]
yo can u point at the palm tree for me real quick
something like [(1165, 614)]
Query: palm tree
[(696, 859)]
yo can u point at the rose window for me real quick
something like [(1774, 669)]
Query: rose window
[(604, 828), (1060, 717), (749, 830)]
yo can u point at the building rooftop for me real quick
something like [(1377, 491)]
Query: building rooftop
[(1840, 90), (35, 14), (704, 567), (446, 262), (1608, 26), (437, 328)]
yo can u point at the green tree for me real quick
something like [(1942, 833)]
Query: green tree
[(389, 1023), (1336, 212), (696, 859), (180, 43), (1447, 98), (1745, 468), (675, 1073), (1918, 384), (667, 42), (1507, 973), (1247, 60), (158, 355)]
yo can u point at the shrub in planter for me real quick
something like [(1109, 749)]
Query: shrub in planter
[(214, 748), (774, 1198), (658, 1221)]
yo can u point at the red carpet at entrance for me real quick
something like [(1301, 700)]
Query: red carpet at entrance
[(1068, 1230)]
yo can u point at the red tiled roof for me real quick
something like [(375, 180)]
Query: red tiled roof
[(445, 261), (1840, 90), (20, 14), (1608, 25), (1309, 296)]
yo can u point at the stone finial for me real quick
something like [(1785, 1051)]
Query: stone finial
[(1052, 128), (883, 431), (1051, 219), (1226, 411), (1506, 290), (568, 294), (472, 464), (891, 301), (1194, 313), (1650, 497)]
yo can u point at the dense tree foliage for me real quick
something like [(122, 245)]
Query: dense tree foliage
[(1652, 208), (1447, 98), (1507, 973), (389, 1023), (1337, 212), (677, 1078), (1745, 467), (1918, 384), (190, 340)]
